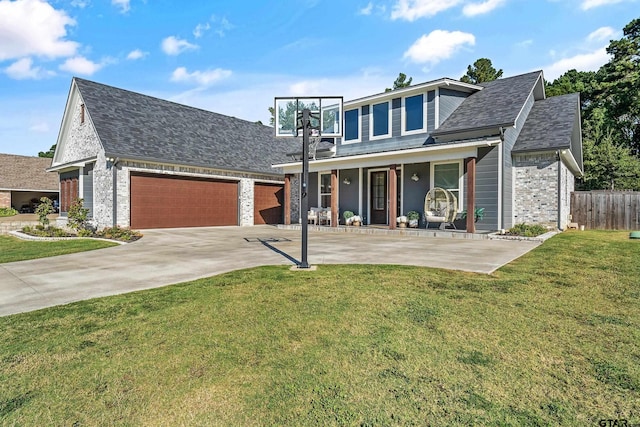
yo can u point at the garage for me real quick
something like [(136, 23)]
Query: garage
[(161, 201), (268, 201)]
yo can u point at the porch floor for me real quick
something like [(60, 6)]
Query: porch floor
[(400, 232)]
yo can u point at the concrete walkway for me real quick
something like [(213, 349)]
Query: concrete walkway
[(168, 256)]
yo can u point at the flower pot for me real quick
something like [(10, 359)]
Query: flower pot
[(356, 223), (402, 224), (413, 223)]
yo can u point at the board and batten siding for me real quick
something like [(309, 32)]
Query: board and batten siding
[(510, 138), (431, 110), (487, 186)]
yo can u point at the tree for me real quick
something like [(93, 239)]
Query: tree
[(400, 82), (583, 82), (480, 72), (49, 154)]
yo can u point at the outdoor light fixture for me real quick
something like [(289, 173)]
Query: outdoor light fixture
[(347, 181), (415, 177)]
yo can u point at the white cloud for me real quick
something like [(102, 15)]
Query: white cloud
[(590, 4), (202, 78), (80, 3), (23, 69), (136, 54), (591, 61), (524, 43), (40, 127), (124, 5), (81, 65), (473, 9), (34, 28), (601, 34), (223, 25), (201, 29), (366, 10), (438, 45), (175, 46), (411, 10)]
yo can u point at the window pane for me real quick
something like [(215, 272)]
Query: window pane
[(351, 130), (325, 183), (381, 119), (325, 201), (414, 112), (446, 175)]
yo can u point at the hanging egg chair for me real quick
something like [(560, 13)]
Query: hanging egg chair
[(440, 206)]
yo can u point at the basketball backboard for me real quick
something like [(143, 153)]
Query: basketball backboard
[(326, 115)]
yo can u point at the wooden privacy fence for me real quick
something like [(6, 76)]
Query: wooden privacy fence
[(606, 210)]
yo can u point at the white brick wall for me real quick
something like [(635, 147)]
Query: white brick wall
[(536, 188)]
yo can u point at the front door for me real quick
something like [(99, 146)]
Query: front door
[(379, 197)]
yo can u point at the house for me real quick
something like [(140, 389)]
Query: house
[(24, 180), (502, 146), (143, 162)]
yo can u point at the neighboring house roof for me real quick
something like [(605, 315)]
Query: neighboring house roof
[(497, 105), (140, 127), (550, 124), (26, 173)]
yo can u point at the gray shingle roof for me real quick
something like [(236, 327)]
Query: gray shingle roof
[(498, 104), (26, 173), (135, 126), (549, 125)]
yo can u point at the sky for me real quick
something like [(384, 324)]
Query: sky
[(233, 57)]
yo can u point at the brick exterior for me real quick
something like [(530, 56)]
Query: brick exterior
[(5, 199), (536, 189)]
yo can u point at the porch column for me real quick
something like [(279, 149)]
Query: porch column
[(393, 197), (334, 197), (471, 194), (287, 199)]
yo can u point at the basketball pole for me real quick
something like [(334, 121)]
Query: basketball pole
[(304, 208)]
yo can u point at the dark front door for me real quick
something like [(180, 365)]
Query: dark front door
[(379, 197)]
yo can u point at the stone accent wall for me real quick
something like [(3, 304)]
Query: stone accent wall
[(102, 192), (246, 192), (5, 199), (295, 199), (536, 188), (567, 186), (81, 140)]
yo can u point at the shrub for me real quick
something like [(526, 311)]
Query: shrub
[(347, 214), (44, 208), (8, 212), (78, 216), (527, 230), (119, 233), (413, 215), (42, 231)]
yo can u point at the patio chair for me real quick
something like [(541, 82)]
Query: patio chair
[(324, 216), (440, 206), (312, 216)]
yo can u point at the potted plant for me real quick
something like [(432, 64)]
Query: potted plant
[(478, 214), (402, 221), (347, 217), (356, 220), (413, 218)]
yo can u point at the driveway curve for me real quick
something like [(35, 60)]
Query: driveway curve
[(167, 256)]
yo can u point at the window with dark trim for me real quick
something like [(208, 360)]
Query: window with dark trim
[(380, 117), (414, 113), (351, 125)]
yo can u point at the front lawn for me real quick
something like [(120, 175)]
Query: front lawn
[(550, 339), (14, 249)]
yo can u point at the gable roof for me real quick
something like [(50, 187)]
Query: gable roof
[(497, 105), (140, 127), (550, 124), (26, 173)]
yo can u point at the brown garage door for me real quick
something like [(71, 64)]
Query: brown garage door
[(267, 205), (164, 201)]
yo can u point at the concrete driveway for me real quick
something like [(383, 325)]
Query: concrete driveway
[(168, 256)]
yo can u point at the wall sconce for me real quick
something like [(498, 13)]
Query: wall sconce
[(346, 181), (415, 177)]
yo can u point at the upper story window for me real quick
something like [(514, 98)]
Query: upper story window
[(413, 114), (352, 125), (380, 120)]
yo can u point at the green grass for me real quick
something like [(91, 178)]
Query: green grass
[(14, 249), (551, 339)]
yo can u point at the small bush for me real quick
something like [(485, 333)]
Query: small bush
[(42, 231), (527, 230), (119, 233), (413, 215), (8, 212), (78, 216), (45, 207)]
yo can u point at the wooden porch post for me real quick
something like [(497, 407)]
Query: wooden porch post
[(393, 197), (334, 198), (287, 199), (471, 194)]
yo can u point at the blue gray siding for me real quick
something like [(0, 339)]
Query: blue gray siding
[(348, 193), (87, 188), (364, 131), (510, 138), (431, 110), (415, 192), (487, 186), (449, 100), (396, 117)]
